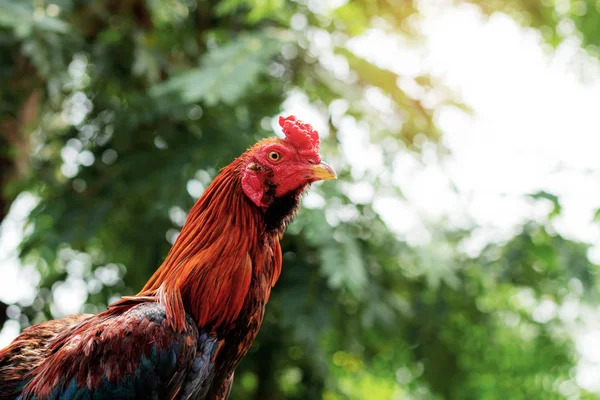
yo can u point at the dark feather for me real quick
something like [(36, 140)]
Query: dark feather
[(134, 355)]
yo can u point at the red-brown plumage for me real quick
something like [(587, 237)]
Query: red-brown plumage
[(221, 246), (29, 350), (77, 351), (87, 344), (209, 293)]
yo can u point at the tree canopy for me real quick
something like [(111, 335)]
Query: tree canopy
[(116, 114)]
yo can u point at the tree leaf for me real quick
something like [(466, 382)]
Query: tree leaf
[(226, 73)]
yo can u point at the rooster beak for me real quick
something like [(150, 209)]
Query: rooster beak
[(323, 172)]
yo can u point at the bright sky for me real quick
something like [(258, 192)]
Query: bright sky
[(534, 127)]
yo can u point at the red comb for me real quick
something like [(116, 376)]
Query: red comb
[(301, 135)]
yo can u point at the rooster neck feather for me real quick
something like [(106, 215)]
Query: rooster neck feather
[(226, 258)]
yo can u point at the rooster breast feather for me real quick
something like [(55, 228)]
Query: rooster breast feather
[(130, 355)]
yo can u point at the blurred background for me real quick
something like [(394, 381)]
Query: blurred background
[(457, 255)]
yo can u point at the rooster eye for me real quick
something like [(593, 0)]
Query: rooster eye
[(274, 156)]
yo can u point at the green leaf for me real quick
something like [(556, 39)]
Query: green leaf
[(255, 10), (556, 206), (22, 18), (226, 73)]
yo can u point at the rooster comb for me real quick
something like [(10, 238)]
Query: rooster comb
[(301, 135)]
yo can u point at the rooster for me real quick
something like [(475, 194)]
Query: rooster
[(184, 334)]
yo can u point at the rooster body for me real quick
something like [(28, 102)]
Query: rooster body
[(99, 353), (184, 334)]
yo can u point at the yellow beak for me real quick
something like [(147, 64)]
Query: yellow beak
[(323, 171)]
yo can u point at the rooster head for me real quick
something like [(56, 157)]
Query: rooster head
[(277, 167)]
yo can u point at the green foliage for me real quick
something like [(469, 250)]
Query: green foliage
[(137, 105), (555, 20), (226, 74), (20, 17), (585, 16)]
